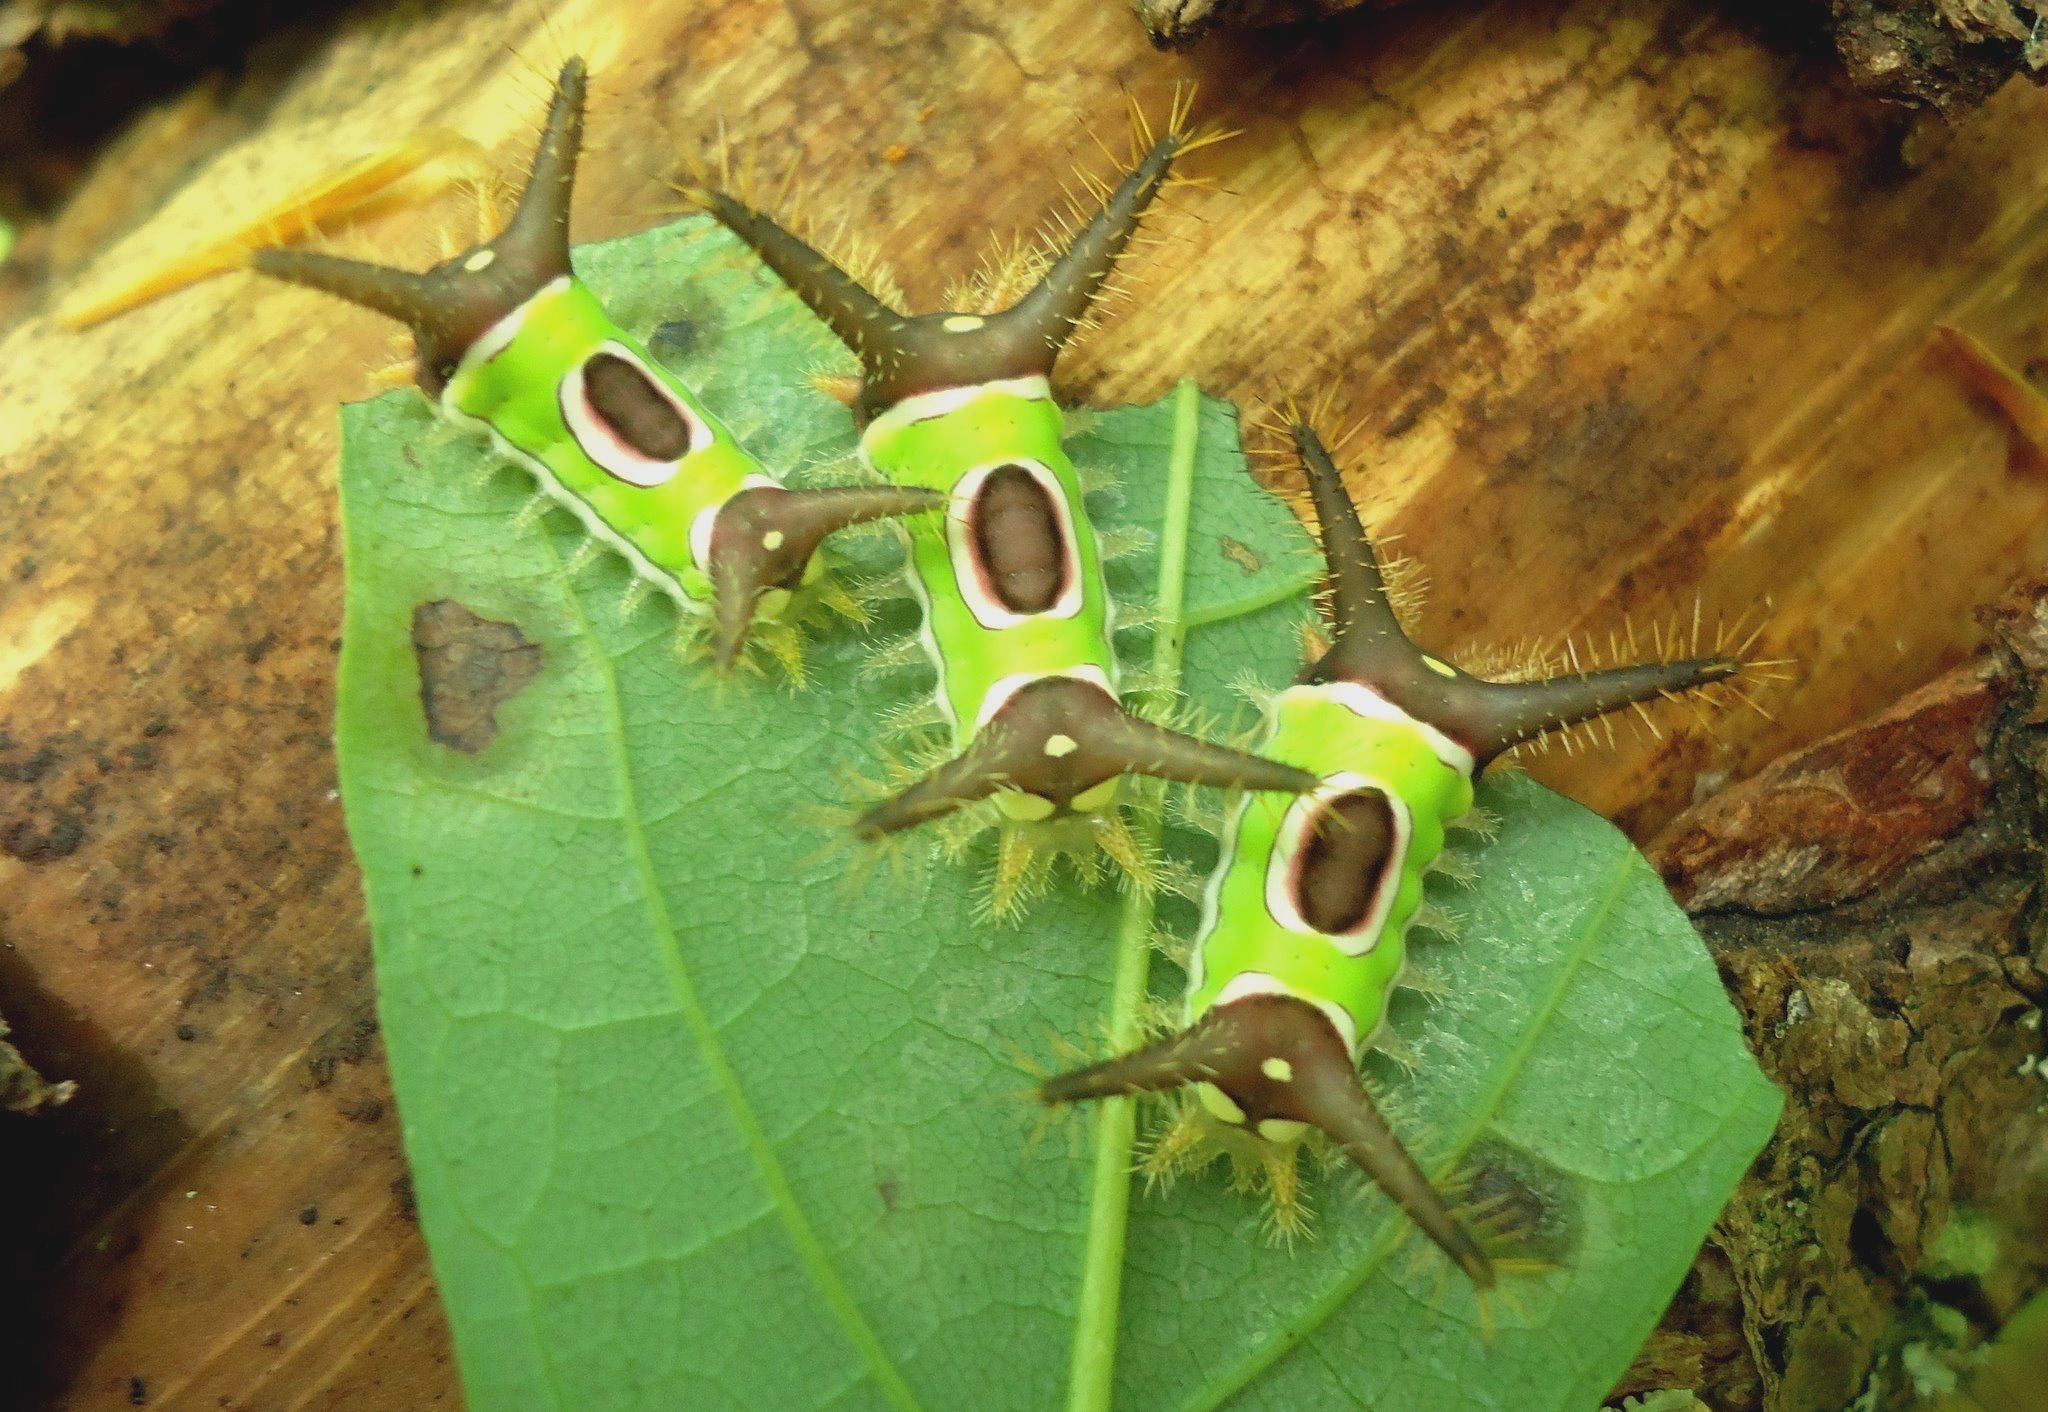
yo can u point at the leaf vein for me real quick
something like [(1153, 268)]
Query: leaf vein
[(796, 1225)]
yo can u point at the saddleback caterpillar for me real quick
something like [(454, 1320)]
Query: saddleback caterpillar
[(1017, 620), (512, 344), (1302, 937)]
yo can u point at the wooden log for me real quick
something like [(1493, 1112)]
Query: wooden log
[(1633, 310)]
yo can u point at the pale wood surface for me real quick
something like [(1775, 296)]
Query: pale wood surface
[(1631, 306)]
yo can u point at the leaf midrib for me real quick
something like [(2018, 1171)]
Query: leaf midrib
[(1250, 603), (809, 1249), (1392, 1231)]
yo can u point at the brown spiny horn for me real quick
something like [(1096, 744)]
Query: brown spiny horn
[(1486, 717), (1327, 1092), (1049, 313), (1145, 748), (1060, 737), (764, 537), (1492, 717), (864, 323), (535, 242), (400, 294), (967, 778), (902, 356), (452, 305), (1195, 1055), (952, 349), (1370, 643), (1277, 1056)]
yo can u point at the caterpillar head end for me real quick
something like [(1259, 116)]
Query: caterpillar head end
[(1056, 745), (763, 540), (1274, 1066), (452, 305)]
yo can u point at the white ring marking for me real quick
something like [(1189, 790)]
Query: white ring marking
[(1006, 687), (925, 405), (1361, 700), (706, 523)]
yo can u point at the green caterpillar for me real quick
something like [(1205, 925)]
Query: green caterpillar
[(514, 346), (1304, 920), (1017, 621)]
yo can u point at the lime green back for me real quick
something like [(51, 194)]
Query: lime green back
[(993, 425), (1311, 727), (516, 393)]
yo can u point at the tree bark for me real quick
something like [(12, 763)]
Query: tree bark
[(1875, 906)]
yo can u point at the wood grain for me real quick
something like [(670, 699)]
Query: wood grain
[(1631, 307)]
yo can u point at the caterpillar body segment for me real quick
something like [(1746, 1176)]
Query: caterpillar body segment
[(1017, 620), (513, 345), (1304, 921)]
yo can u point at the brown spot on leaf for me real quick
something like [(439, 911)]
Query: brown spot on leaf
[(31, 770), (1240, 554), (32, 845), (469, 666)]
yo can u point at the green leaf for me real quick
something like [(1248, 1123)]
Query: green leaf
[(702, 1113)]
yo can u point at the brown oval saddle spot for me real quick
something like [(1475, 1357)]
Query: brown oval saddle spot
[(621, 392), (1017, 535), (1346, 855)]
